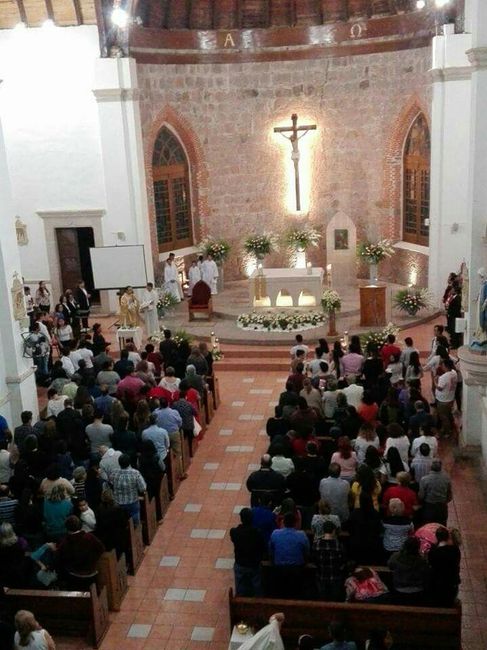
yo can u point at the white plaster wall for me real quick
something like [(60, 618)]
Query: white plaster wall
[(50, 124)]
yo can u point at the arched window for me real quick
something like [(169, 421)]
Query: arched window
[(416, 190), (172, 202)]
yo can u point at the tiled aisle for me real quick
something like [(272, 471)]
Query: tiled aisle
[(178, 599)]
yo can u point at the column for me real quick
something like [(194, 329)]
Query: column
[(116, 91), (17, 381), (450, 138), (476, 206)]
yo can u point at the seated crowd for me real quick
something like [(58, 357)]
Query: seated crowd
[(351, 501), (70, 481)]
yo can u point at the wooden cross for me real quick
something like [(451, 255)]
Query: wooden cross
[(294, 138)]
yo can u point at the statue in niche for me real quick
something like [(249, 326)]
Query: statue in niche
[(21, 232), (479, 342), (18, 302)]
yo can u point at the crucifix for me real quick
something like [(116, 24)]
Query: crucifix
[(294, 138)]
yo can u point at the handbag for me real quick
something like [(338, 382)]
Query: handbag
[(197, 428)]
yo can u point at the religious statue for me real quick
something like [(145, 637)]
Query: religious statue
[(479, 343), (465, 287), (18, 301), (21, 232), (129, 308)]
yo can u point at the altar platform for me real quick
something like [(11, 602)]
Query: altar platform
[(286, 288)]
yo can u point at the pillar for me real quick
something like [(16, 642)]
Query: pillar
[(17, 380), (117, 95)]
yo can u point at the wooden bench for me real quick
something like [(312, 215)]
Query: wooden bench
[(172, 470), (68, 613), (135, 546), (163, 498), (214, 386), (411, 627), (112, 574), (208, 406), (148, 518), (186, 452)]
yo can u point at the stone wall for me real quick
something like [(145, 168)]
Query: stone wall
[(363, 107)]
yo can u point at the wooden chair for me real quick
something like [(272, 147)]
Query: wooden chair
[(200, 304)]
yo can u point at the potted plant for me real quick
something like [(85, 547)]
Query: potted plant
[(219, 249), (259, 245), (373, 253), (331, 303), (166, 301)]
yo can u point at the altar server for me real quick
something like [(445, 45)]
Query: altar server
[(148, 308), (209, 273), (171, 281), (194, 275)]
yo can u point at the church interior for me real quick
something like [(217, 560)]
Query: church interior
[(218, 216)]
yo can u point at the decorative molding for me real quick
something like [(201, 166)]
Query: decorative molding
[(116, 94), (65, 214), (19, 379), (478, 57), (413, 248), (4, 399), (461, 73)]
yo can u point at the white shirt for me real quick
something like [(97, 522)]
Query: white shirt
[(55, 406), (448, 383), (209, 271), (88, 520), (45, 331), (395, 370), (170, 272), (67, 366), (429, 440), (284, 466), (194, 275), (37, 641), (109, 464), (87, 355), (149, 299), (406, 355), (64, 333), (402, 446), (330, 403), (354, 394), (361, 445), (75, 357), (299, 346)]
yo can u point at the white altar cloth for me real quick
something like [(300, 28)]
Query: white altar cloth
[(125, 333), (288, 288)]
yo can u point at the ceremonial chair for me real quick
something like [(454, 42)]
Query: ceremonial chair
[(200, 302)]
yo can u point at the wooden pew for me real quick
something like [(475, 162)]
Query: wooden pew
[(185, 446), (112, 574), (214, 386), (172, 473), (70, 613), (148, 518), (135, 547), (208, 406), (424, 628), (162, 498)]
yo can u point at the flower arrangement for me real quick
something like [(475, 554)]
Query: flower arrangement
[(166, 301), (379, 337), (217, 354), (259, 245), (302, 238), (219, 249), (375, 253), (280, 321), (411, 300), (182, 336), (330, 301)]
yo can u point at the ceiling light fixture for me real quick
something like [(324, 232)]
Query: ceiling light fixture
[(120, 17)]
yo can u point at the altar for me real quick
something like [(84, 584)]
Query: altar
[(286, 288)]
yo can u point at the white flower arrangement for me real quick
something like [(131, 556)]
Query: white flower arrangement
[(330, 300), (379, 337), (166, 301), (375, 253), (302, 238), (280, 321), (219, 249), (412, 300), (260, 245)]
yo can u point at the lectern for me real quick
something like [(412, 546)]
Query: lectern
[(372, 306)]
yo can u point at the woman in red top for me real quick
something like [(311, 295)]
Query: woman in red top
[(368, 408), (300, 441)]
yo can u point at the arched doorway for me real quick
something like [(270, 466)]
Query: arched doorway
[(172, 199), (416, 183)]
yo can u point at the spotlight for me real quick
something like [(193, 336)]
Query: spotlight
[(120, 17), (420, 4)]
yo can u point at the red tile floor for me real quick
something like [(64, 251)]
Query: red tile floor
[(178, 599)]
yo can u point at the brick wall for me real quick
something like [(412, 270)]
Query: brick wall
[(225, 113)]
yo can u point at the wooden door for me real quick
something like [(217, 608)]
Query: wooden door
[(69, 258), (172, 207)]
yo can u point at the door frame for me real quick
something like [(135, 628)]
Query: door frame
[(54, 219)]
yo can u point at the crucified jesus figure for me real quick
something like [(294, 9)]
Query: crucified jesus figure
[(296, 133)]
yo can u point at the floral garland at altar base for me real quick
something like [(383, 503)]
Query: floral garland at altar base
[(412, 300), (280, 321), (378, 337)]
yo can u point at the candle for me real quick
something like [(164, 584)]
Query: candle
[(259, 269), (345, 339), (309, 268), (212, 339), (217, 345), (328, 274)]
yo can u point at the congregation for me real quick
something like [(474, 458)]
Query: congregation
[(350, 502)]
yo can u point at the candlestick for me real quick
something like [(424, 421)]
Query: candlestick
[(328, 274), (212, 339), (309, 268), (217, 345), (345, 338)]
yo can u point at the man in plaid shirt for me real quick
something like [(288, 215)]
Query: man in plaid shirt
[(329, 556), (128, 483)]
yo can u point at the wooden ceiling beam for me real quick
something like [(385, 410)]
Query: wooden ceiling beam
[(78, 12), (22, 13)]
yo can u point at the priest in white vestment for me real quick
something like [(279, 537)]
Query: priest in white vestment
[(171, 280), (194, 276), (148, 307), (209, 273)]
